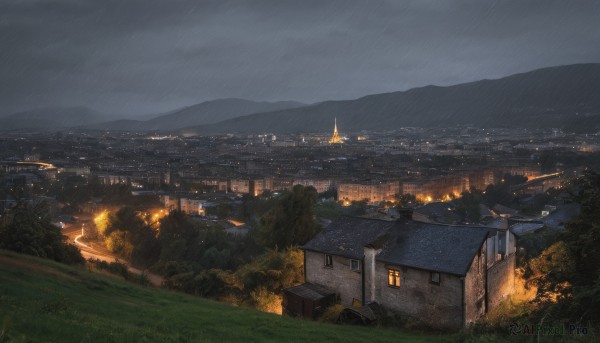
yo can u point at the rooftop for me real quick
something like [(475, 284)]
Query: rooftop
[(436, 247)]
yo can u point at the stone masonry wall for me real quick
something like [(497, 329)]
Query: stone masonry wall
[(475, 288), (500, 281), (340, 277), (436, 305)]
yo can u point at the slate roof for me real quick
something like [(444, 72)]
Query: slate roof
[(563, 214), (436, 247), (310, 291), (347, 236), (440, 212), (522, 228)]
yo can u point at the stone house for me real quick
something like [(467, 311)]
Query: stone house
[(445, 276)]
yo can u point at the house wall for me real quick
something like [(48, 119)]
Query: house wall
[(475, 287), (346, 283), (436, 305), (500, 281)]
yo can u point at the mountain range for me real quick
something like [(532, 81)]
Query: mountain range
[(565, 97), (208, 112), (561, 97)]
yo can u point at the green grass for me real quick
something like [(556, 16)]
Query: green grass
[(43, 301)]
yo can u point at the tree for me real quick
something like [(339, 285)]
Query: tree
[(358, 208), (569, 270), (176, 234), (291, 221), (468, 205), (27, 229), (224, 210), (405, 200), (128, 235)]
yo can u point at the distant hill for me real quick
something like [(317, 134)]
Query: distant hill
[(51, 118), (562, 97), (204, 113)]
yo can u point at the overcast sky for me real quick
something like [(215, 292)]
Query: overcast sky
[(147, 56)]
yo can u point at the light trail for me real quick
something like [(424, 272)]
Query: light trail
[(43, 165)]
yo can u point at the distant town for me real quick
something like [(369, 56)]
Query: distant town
[(429, 164)]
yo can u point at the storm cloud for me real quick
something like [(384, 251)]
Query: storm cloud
[(133, 57)]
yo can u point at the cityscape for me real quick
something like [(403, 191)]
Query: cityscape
[(158, 184)]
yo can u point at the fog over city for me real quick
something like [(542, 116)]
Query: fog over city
[(133, 58)]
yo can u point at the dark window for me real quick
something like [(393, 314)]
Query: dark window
[(393, 278), (355, 265), (328, 261), (435, 278)]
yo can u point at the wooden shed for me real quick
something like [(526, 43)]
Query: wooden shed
[(307, 300)]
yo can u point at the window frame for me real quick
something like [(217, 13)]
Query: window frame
[(328, 261), (394, 278), (358, 269), (439, 278)]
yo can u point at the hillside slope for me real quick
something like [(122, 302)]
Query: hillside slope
[(550, 97), (41, 300), (208, 112)]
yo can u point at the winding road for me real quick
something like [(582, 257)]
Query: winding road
[(96, 250)]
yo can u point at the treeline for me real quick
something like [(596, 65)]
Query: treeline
[(75, 191), (201, 258), (28, 229)]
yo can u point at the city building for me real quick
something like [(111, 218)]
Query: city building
[(373, 192)]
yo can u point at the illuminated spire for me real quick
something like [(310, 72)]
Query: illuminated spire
[(336, 137)]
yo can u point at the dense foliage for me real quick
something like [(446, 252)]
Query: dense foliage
[(28, 229), (200, 257), (291, 221), (569, 283)]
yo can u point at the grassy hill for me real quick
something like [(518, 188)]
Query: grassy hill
[(41, 300)]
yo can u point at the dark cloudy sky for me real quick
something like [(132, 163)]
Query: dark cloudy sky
[(148, 56)]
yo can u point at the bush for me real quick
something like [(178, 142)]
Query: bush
[(116, 268), (332, 314)]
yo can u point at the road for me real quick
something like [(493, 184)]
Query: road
[(98, 251)]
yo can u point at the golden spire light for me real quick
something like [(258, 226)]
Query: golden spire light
[(336, 137)]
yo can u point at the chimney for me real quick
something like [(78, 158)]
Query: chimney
[(369, 276), (406, 213)]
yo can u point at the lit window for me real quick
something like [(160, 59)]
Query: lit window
[(328, 261), (435, 278), (393, 278), (355, 265)]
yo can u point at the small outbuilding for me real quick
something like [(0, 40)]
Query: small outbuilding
[(307, 300)]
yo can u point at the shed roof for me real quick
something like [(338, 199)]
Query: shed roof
[(310, 291)]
